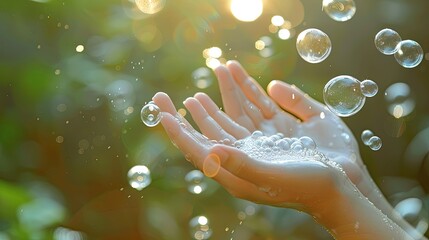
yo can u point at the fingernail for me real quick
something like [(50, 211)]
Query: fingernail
[(211, 165)]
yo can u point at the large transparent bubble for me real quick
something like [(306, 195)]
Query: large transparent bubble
[(139, 177), (313, 45), (339, 10), (343, 95), (150, 114)]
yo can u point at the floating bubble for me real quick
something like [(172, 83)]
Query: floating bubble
[(400, 102), (387, 41), (150, 6), (343, 95), (409, 54), (313, 45), (366, 135), (151, 114), (339, 10), (202, 77), (195, 180), (199, 228), (369, 88), (375, 143), (139, 177)]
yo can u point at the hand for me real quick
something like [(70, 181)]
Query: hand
[(298, 183), (293, 113)]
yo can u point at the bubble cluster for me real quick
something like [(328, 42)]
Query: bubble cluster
[(199, 228), (387, 40), (150, 114), (279, 148), (195, 181), (370, 140), (408, 53), (139, 177), (339, 10), (313, 45), (400, 102)]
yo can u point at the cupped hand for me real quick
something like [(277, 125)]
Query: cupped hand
[(288, 110), (290, 182)]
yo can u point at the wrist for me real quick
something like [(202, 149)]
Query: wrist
[(347, 214)]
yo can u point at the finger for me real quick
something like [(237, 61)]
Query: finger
[(241, 188), (253, 91), (220, 117), (163, 101), (232, 98), (193, 149), (208, 126), (294, 100)]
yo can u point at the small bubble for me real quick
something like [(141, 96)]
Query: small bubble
[(387, 40), (195, 180), (307, 142), (313, 45), (343, 96), (139, 177), (339, 10), (199, 228), (257, 134), (365, 136), (283, 144), (151, 114), (409, 54), (80, 48), (150, 6), (375, 143), (369, 88), (297, 146)]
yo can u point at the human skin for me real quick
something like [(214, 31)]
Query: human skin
[(335, 196)]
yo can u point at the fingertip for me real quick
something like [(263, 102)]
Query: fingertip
[(170, 124)]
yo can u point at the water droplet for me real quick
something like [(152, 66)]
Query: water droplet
[(369, 88), (339, 10), (343, 96), (386, 41), (409, 54), (139, 177), (196, 183), (151, 114), (400, 102), (307, 142), (375, 143), (365, 136), (313, 45), (199, 228)]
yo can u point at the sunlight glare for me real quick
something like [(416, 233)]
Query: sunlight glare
[(246, 10)]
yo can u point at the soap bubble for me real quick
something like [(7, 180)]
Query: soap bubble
[(202, 77), (343, 95), (199, 228), (307, 142), (409, 54), (400, 102), (387, 41), (339, 10), (151, 114), (195, 180), (313, 45), (150, 6), (375, 143), (366, 135), (369, 88), (139, 177)]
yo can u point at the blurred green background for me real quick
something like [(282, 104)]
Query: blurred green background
[(75, 74)]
